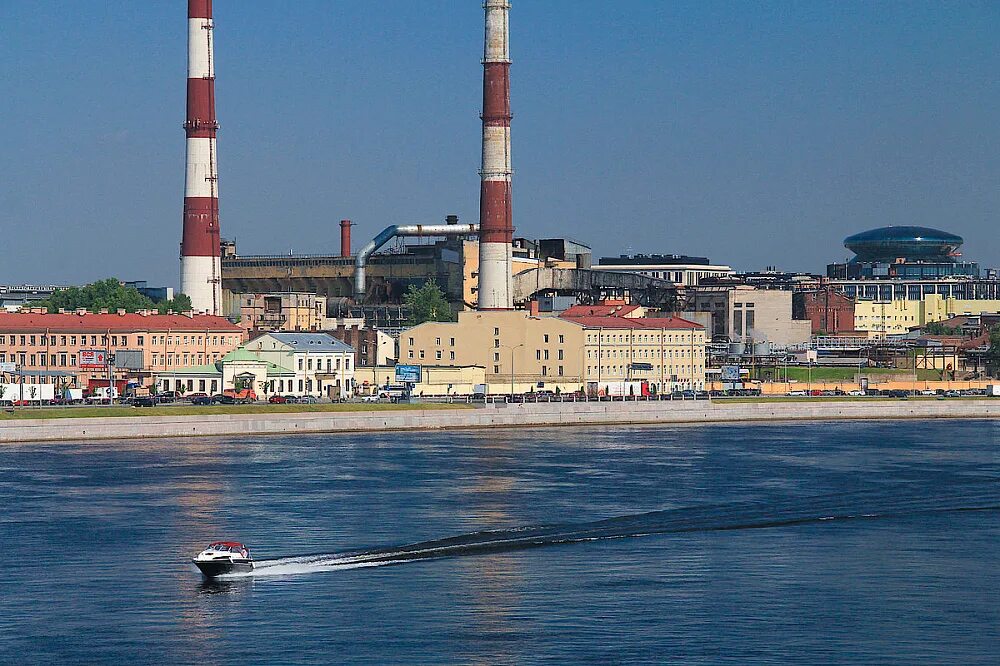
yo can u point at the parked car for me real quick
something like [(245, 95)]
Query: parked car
[(202, 399), (952, 394), (277, 400), (166, 396), (796, 394), (309, 400), (194, 396), (898, 393), (370, 398), (855, 392), (223, 399), (291, 399), (144, 401)]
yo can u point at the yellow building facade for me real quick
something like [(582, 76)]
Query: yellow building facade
[(897, 317), (521, 352)]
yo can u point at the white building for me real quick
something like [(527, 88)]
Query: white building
[(323, 365)]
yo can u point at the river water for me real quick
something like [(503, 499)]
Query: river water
[(873, 542)]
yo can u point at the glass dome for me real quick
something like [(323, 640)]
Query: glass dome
[(887, 244)]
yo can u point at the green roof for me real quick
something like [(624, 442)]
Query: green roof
[(236, 356)]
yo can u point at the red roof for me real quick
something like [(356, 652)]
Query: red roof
[(638, 322), (31, 322), (612, 310)]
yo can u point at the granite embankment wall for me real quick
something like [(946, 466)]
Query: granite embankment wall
[(515, 415)]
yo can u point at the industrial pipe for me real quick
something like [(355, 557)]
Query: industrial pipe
[(389, 233), (201, 264)]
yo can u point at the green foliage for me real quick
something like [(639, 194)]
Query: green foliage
[(110, 295), (993, 353), (427, 303), (937, 328), (179, 303), (98, 295)]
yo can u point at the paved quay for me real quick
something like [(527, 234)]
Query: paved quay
[(489, 416)]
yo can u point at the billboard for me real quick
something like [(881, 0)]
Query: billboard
[(93, 358), (408, 374), (730, 373), (129, 359)]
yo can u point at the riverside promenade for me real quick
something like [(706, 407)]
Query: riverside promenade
[(491, 416)]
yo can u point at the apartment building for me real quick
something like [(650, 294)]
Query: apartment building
[(522, 352), (75, 349)]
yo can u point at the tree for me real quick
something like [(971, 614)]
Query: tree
[(427, 303), (179, 303), (104, 294), (993, 353)]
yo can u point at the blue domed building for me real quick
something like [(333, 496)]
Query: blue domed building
[(906, 252)]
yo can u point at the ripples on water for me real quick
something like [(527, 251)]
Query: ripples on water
[(807, 543)]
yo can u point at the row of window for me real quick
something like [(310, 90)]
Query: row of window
[(560, 371), (332, 364), (624, 338), (646, 353), (672, 370), (176, 359), (68, 340), (437, 355), (115, 340)]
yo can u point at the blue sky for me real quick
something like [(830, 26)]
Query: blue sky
[(755, 133)]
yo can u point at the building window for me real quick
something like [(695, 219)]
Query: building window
[(496, 331), (437, 355), (411, 342), (496, 369), (437, 341), (496, 344), (560, 371), (453, 342), (562, 338), (545, 371), (410, 354), (545, 338), (538, 354), (546, 354), (452, 355), (300, 364), (421, 353), (496, 356)]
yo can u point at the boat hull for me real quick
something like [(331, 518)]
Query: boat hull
[(221, 567)]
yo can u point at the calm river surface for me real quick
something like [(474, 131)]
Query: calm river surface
[(782, 543)]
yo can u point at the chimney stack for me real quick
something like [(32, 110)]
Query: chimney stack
[(345, 238), (496, 228), (201, 267)]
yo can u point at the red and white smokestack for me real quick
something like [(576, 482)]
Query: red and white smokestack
[(201, 268), (496, 228)]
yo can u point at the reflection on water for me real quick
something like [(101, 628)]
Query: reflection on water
[(806, 543)]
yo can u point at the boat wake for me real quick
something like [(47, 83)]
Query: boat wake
[(868, 505)]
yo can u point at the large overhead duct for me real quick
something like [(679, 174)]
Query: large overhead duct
[(387, 234)]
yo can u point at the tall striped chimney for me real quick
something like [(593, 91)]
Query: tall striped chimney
[(201, 268), (496, 228)]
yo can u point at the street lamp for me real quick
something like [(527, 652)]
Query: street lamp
[(511, 366)]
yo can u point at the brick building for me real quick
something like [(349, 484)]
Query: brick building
[(829, 311)]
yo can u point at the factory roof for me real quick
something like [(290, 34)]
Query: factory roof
[(35, 321), (636, 323), (615, 310)]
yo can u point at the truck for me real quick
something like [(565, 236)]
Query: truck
[(102, 394), (26, 394), (634, 388), (244, 395)]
